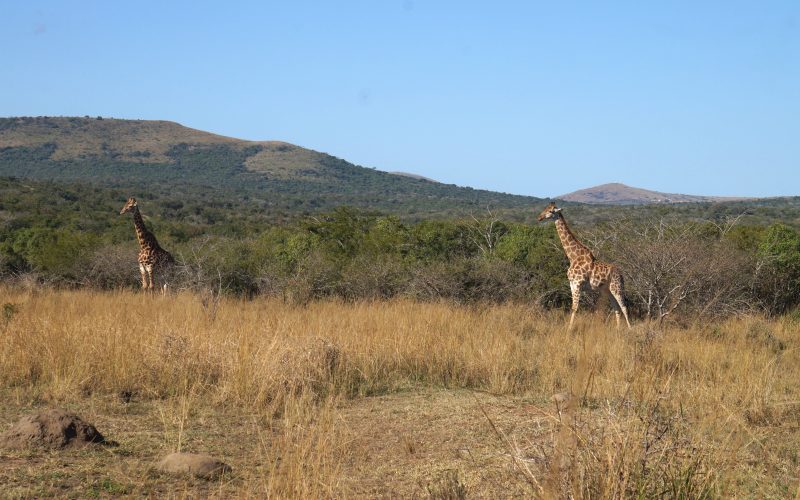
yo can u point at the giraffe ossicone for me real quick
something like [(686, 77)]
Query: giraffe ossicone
[(151, 256), (584, 268)]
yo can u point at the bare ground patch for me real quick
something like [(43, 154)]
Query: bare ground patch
[(405, 444), (415, 444), (141, 437)]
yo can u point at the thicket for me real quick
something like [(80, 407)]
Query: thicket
[(671, 268)]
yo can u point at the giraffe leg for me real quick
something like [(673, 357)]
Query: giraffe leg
[(603, 300), (149, 269), (615, 305), (616, 292), (575, 287), (144, 276), (605, 294)]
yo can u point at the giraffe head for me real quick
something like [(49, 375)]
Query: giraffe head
[(130, 206), (551, 212)]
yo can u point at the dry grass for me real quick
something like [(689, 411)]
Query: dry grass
[(401, 398), (77, 138), (285, 161)]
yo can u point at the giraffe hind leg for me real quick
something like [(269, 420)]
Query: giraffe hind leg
[(606, 298), (615, 306), (616, 292)]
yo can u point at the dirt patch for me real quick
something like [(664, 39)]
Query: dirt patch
[(427, 443), (145, 433), (411, 444), (53, 429)]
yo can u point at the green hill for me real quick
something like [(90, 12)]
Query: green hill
[(164, 158)]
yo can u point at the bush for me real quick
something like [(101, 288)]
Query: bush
[(367, 277), (113, 267), (672, 265), (778, 280), (60, 253)]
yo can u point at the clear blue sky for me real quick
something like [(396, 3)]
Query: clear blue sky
[(536, 98)]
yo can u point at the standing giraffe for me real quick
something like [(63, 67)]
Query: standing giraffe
[(151, 255), (584, 268)]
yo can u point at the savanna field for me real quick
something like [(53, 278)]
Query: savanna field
[(434, 250), (397, 398)]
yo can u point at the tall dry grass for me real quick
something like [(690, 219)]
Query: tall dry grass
[(704, 410)]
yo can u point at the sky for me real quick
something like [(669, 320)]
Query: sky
[(534, 98)]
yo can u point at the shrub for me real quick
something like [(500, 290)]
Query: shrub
[(112, 267), (778, 280), (672, 265)]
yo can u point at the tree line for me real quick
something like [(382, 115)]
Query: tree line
[(671, 268)]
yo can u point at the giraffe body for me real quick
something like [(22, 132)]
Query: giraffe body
[(585, 269), (151, 256)]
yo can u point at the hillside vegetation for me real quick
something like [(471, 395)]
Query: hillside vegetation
[(165, 159)]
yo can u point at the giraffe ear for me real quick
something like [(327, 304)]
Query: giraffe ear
[(556, 210)]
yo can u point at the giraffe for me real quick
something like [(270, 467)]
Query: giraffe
[(584, 268), (151, 255)]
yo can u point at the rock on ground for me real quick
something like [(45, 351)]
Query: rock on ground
[(53, 429), (196, 464)]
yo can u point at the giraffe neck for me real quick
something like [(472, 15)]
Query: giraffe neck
[(574, 249), (145, 237)]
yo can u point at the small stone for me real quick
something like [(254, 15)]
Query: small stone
[(196, 464), (52, 429)]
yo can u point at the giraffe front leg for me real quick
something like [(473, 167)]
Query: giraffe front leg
[(575, 287), (144, 276), (149, 269)]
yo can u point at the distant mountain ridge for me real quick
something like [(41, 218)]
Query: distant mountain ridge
[(616, 193), (142, 155)]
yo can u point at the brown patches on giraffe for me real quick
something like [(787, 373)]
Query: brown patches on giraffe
[(151, 255), (583, 268)]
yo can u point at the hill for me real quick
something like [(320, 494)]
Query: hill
[(619, 194), (161, 157), (413, 176)]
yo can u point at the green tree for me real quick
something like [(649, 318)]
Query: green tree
[(54, 251), (779, 274)]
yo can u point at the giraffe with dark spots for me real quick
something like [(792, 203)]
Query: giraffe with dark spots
[(584, 268), (151, 255)]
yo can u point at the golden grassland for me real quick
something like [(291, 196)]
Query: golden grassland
[(79, 137), (398, 398)]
